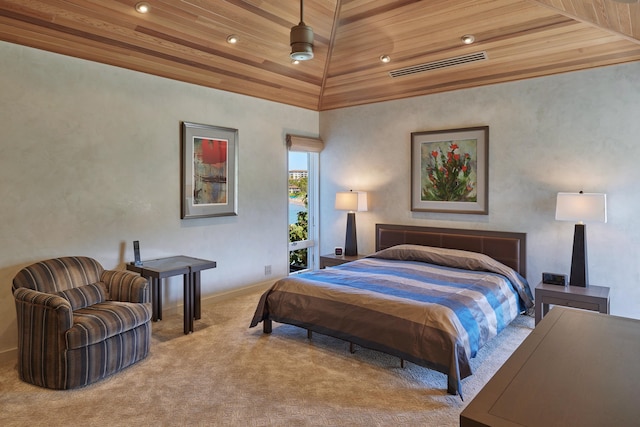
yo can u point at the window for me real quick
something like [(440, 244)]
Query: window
[(303, 204)]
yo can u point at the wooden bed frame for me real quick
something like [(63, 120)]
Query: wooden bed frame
[(506, 247), (509, 248)]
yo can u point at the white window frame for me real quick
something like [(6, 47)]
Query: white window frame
[(313, 196)]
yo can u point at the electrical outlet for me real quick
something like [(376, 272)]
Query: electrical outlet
[(267, 270)]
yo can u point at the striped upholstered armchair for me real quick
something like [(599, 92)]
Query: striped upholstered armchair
[(79, 323)]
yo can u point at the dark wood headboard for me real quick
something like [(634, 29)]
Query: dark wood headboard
[(507, 247)]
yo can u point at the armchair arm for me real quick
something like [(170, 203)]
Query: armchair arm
[(43, 322), (126, 286), (47, 313)]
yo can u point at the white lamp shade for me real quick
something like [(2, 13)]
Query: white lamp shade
[(355, 201), (581, 207)]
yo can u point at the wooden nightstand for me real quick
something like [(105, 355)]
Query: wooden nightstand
[(332, 260), (595, 298)]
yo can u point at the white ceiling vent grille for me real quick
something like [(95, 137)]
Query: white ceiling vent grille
[(437, 65)]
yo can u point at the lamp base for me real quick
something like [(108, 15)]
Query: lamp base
[(579, 275), (351, 241)]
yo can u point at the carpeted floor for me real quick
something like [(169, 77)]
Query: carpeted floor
[(225, 374)]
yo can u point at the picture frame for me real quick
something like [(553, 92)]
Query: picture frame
[(209, 175), (450, 171)]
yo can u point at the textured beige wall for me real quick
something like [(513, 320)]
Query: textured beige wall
[(90, 161), (570, 132)]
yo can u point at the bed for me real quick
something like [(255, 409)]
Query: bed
[(431, 296)]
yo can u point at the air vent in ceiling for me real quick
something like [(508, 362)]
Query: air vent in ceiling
[(437, 65)]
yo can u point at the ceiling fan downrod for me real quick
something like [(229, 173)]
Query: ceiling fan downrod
[(301, 39)]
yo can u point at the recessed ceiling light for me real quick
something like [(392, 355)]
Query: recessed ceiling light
[(142, 7), (295, 61), (232, 39), (468, 38), (385, 58)]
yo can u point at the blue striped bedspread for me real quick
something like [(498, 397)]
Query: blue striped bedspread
[(436, 316)]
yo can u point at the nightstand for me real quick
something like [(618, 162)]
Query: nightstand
[(595, 298), (332, 260)]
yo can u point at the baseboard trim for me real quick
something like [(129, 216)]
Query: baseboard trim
[(223, 296), (219, 297), (8, 356)]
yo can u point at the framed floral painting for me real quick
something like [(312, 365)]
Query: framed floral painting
[(209, 171), (450, 171)]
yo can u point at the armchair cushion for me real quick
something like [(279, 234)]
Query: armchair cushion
[(84, 296), (100, 321)]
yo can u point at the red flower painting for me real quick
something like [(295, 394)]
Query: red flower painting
[(449, 176)]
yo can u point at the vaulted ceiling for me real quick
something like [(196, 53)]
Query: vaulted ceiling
[(186, 40)]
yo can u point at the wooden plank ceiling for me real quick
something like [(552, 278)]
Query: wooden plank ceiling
[(186, 40)]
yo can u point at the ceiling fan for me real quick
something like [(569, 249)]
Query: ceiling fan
[(301, 39)]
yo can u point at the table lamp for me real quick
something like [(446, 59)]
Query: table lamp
[(352, 201), (581, 207)]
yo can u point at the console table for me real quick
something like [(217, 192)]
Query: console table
[(594, 298), (332, 260), (576, 368), (157, 269)]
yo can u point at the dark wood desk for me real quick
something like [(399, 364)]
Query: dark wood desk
[(577, 368), (157, 269)]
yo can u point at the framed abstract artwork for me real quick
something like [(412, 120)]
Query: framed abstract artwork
[(450, 171), (209, 171)]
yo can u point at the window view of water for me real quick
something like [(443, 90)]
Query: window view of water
[(293, 212)]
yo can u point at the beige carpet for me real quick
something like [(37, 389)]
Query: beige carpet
[(226, 374)]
